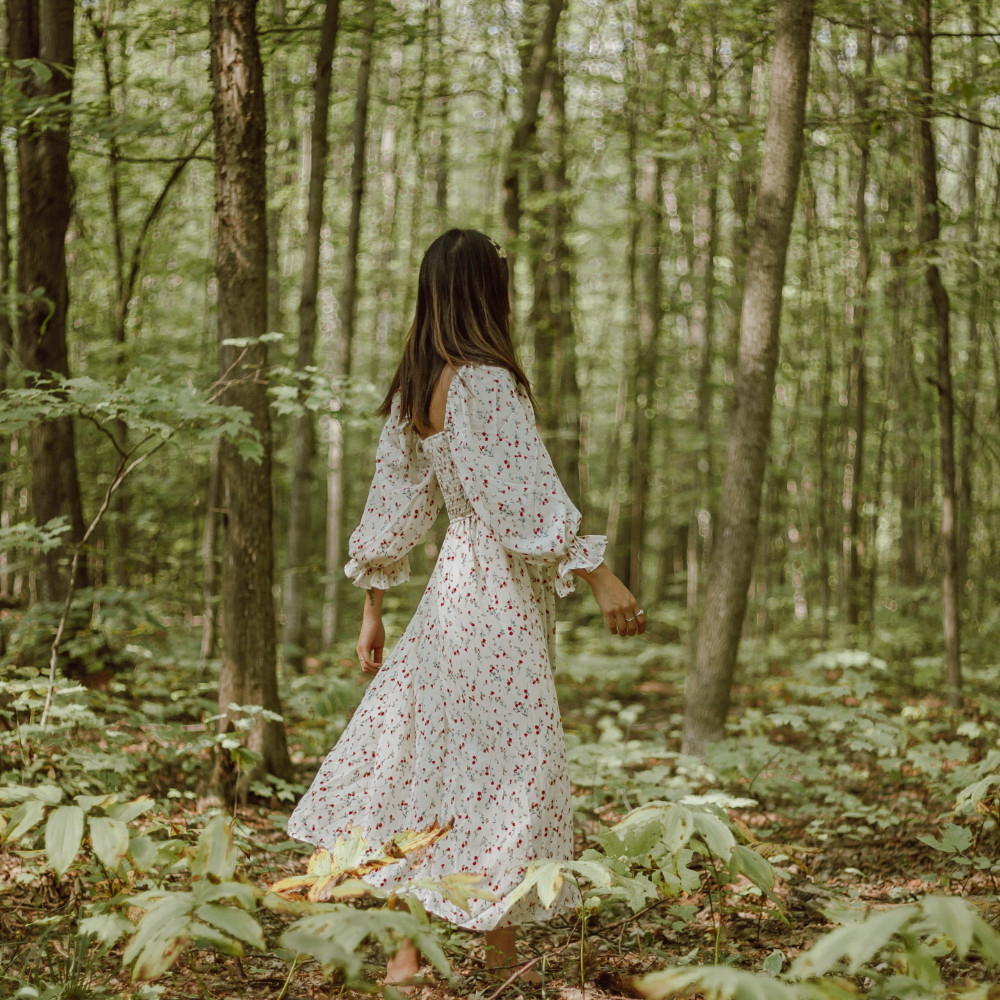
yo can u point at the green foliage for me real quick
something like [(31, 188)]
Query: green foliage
[(895, 952), (660, 850)]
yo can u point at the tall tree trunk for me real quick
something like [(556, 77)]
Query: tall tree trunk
[(699, 539), (248, 622), (347, 309), (43, 30), (710, 681), (974, 365), (859, 307), (6, 340), (534, 75), (929, 220), (563, 280), (302, 558)]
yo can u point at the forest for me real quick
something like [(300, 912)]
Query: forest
[(754, 281)]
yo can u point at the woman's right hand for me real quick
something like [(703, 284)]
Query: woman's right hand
[(617, 603)]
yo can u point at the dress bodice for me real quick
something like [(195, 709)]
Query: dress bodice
[(436, 448)]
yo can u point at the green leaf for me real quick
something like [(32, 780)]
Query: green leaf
[(89, 802), (853, 944), (719, 982), (107, 928), (210, 892), (24, 818), (128, 811), (215, 855), (953, 917), (744, 861), (144, 852), (717, 836), (678, 825), (162, 935), (774, 962), (237, 923), (204, 936), (109, 838), (49, 794), (63, 835)]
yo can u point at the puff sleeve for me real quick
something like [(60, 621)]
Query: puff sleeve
[(509, 478), (403, 502)]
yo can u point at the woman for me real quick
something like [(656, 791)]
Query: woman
[(461, 722)]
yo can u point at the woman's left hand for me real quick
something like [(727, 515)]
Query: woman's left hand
[(371, 643)]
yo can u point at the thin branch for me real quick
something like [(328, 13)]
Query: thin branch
[(121, 473), (145, 159), (147, 223)]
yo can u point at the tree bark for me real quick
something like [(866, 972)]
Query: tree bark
[(929, 221), (859, 307), (43, 30), (247, 617), (302, 558), (710, 681), (347, 310), (534, 83)]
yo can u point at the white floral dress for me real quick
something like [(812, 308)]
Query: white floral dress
[(461, 722)]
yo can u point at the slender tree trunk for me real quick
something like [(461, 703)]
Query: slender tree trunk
[(974, 366), (710, 681), (813, 264), (524, 130), (210, 558), (335, 478), (247, 618), (699, 541), (564, 300), (302, 556), (859, 307), (43, 30), (6, 340), (647, 347), (930, 232)]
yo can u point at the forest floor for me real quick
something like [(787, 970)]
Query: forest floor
[(844, 765)]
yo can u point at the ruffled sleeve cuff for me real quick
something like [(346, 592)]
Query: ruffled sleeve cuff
[(380, 576), (585, 552)]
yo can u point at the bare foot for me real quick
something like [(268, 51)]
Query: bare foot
[(403, 966), (501, 958)]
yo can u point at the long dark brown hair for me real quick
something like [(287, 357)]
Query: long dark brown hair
[(463, 317)]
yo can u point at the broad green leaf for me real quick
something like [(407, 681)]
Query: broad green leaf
[(161, 936), (459, 887), (744, 861), (953, 917), (144, 852), (108, 928), (678, 825), (128, 811), (63, 835), (595, 872), (215, 855), (717, 982), (204, 936), (24, 818), (211, 892), (550, 881), (324, 949), (717, 836), (233, 921), (89, 802), (853, 944), (49, 794), (774, 962), (109, 838)]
